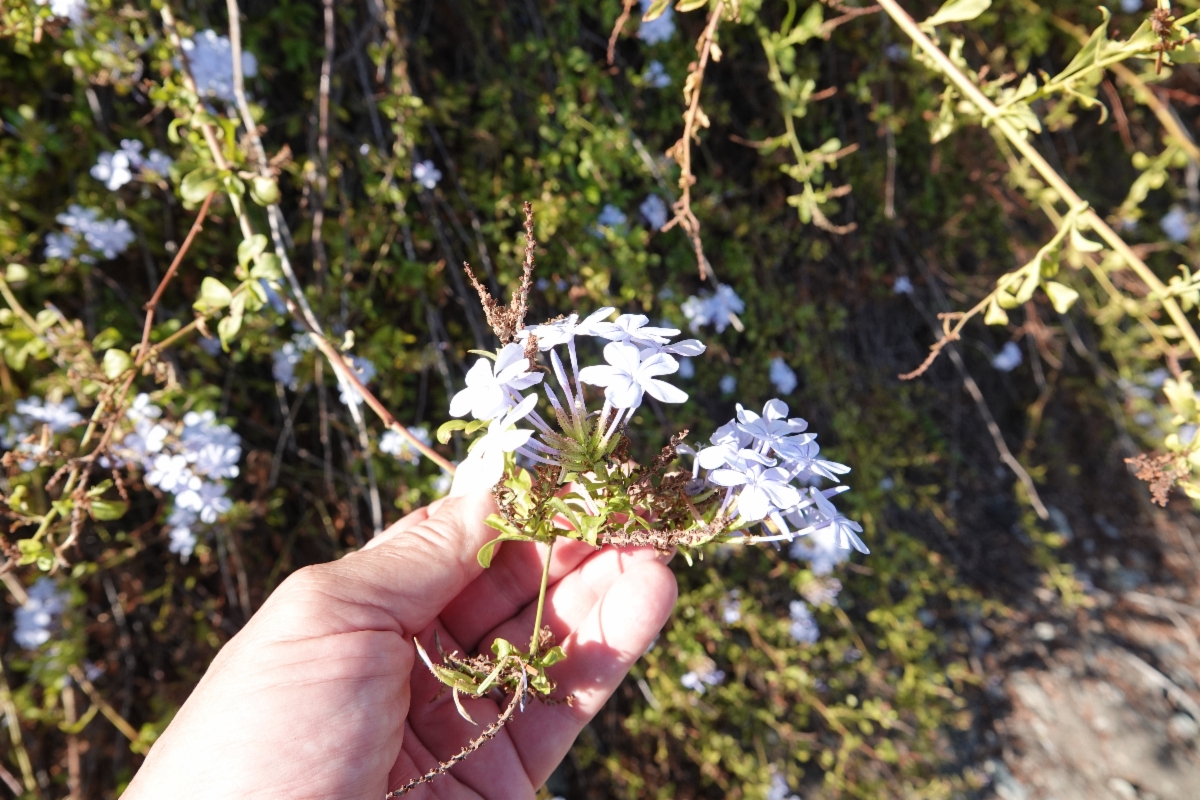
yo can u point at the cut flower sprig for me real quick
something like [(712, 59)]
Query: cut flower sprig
[(566, 471)]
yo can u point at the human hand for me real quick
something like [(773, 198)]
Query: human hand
[(318, 696)]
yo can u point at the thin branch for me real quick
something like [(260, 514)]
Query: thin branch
[(1068, 195), (345, 372), (681, 151), (488, 734), (619, 26), (318, 239), (108, 711)]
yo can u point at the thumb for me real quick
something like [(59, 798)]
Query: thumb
[(406, 580)]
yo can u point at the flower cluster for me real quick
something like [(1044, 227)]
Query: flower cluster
[(192, 462), (756, 460), (23, 432), (87, 234), (656, 76), (39, 614), (719, 309), (803, 626), (654, 211), (657, 30), (210, 57), (115, 170), (365, 371), (699, 680)]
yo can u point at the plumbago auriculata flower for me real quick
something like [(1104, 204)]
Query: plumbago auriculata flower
[(753, 482)]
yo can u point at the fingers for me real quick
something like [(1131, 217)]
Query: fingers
[(600, 651), (569, 601), (616, 632), (507, 587), (401, 583)]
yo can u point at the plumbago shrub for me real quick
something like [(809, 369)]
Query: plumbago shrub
[(234, 328)]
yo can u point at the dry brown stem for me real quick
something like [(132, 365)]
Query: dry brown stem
[(506, 321), (694, 118), (617, 28), (488, 734)]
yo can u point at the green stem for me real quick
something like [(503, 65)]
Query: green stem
[(541, 606)]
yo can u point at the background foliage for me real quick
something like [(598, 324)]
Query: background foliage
[(516, 101)]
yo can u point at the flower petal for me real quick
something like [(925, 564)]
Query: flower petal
[(480, 373), (623, 356), (624, 393), (775, 409), (658, 364), (460, 404), (664, 392), (600, 375), (509, 355), (753, 503), (727, 477)]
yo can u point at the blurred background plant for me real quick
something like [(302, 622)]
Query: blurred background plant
[(822, 192)]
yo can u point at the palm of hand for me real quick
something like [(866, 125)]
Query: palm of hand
[(318, 697)]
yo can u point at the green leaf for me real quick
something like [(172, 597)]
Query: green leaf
[(1032, 278), (267, 267), (488, 551), (503, 648), (235, 185), (1061, 297), (956, 11), (264, 191), (251, 248), (213, 295), (115, 363), (552, 656), (16, 273), (229, 326), (656, 10), (1091, 51), (447, 429), (105, 510), (199, 184), (1084, 244), (109, 337), (690, 5), (995, 314)]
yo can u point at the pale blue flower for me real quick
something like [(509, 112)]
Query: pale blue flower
[(699, 681), (658, 30), (611, 218), (396, 445), (631, 373), (494, 387), (426, 174), (804, 627), (656, 76), (727, 384), (903, 285), (1009, 357), (208, 500), (782, 376), (654, 211), (1176, 225), (365, 371), (211, 58), (719, 309), (38, 615)]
